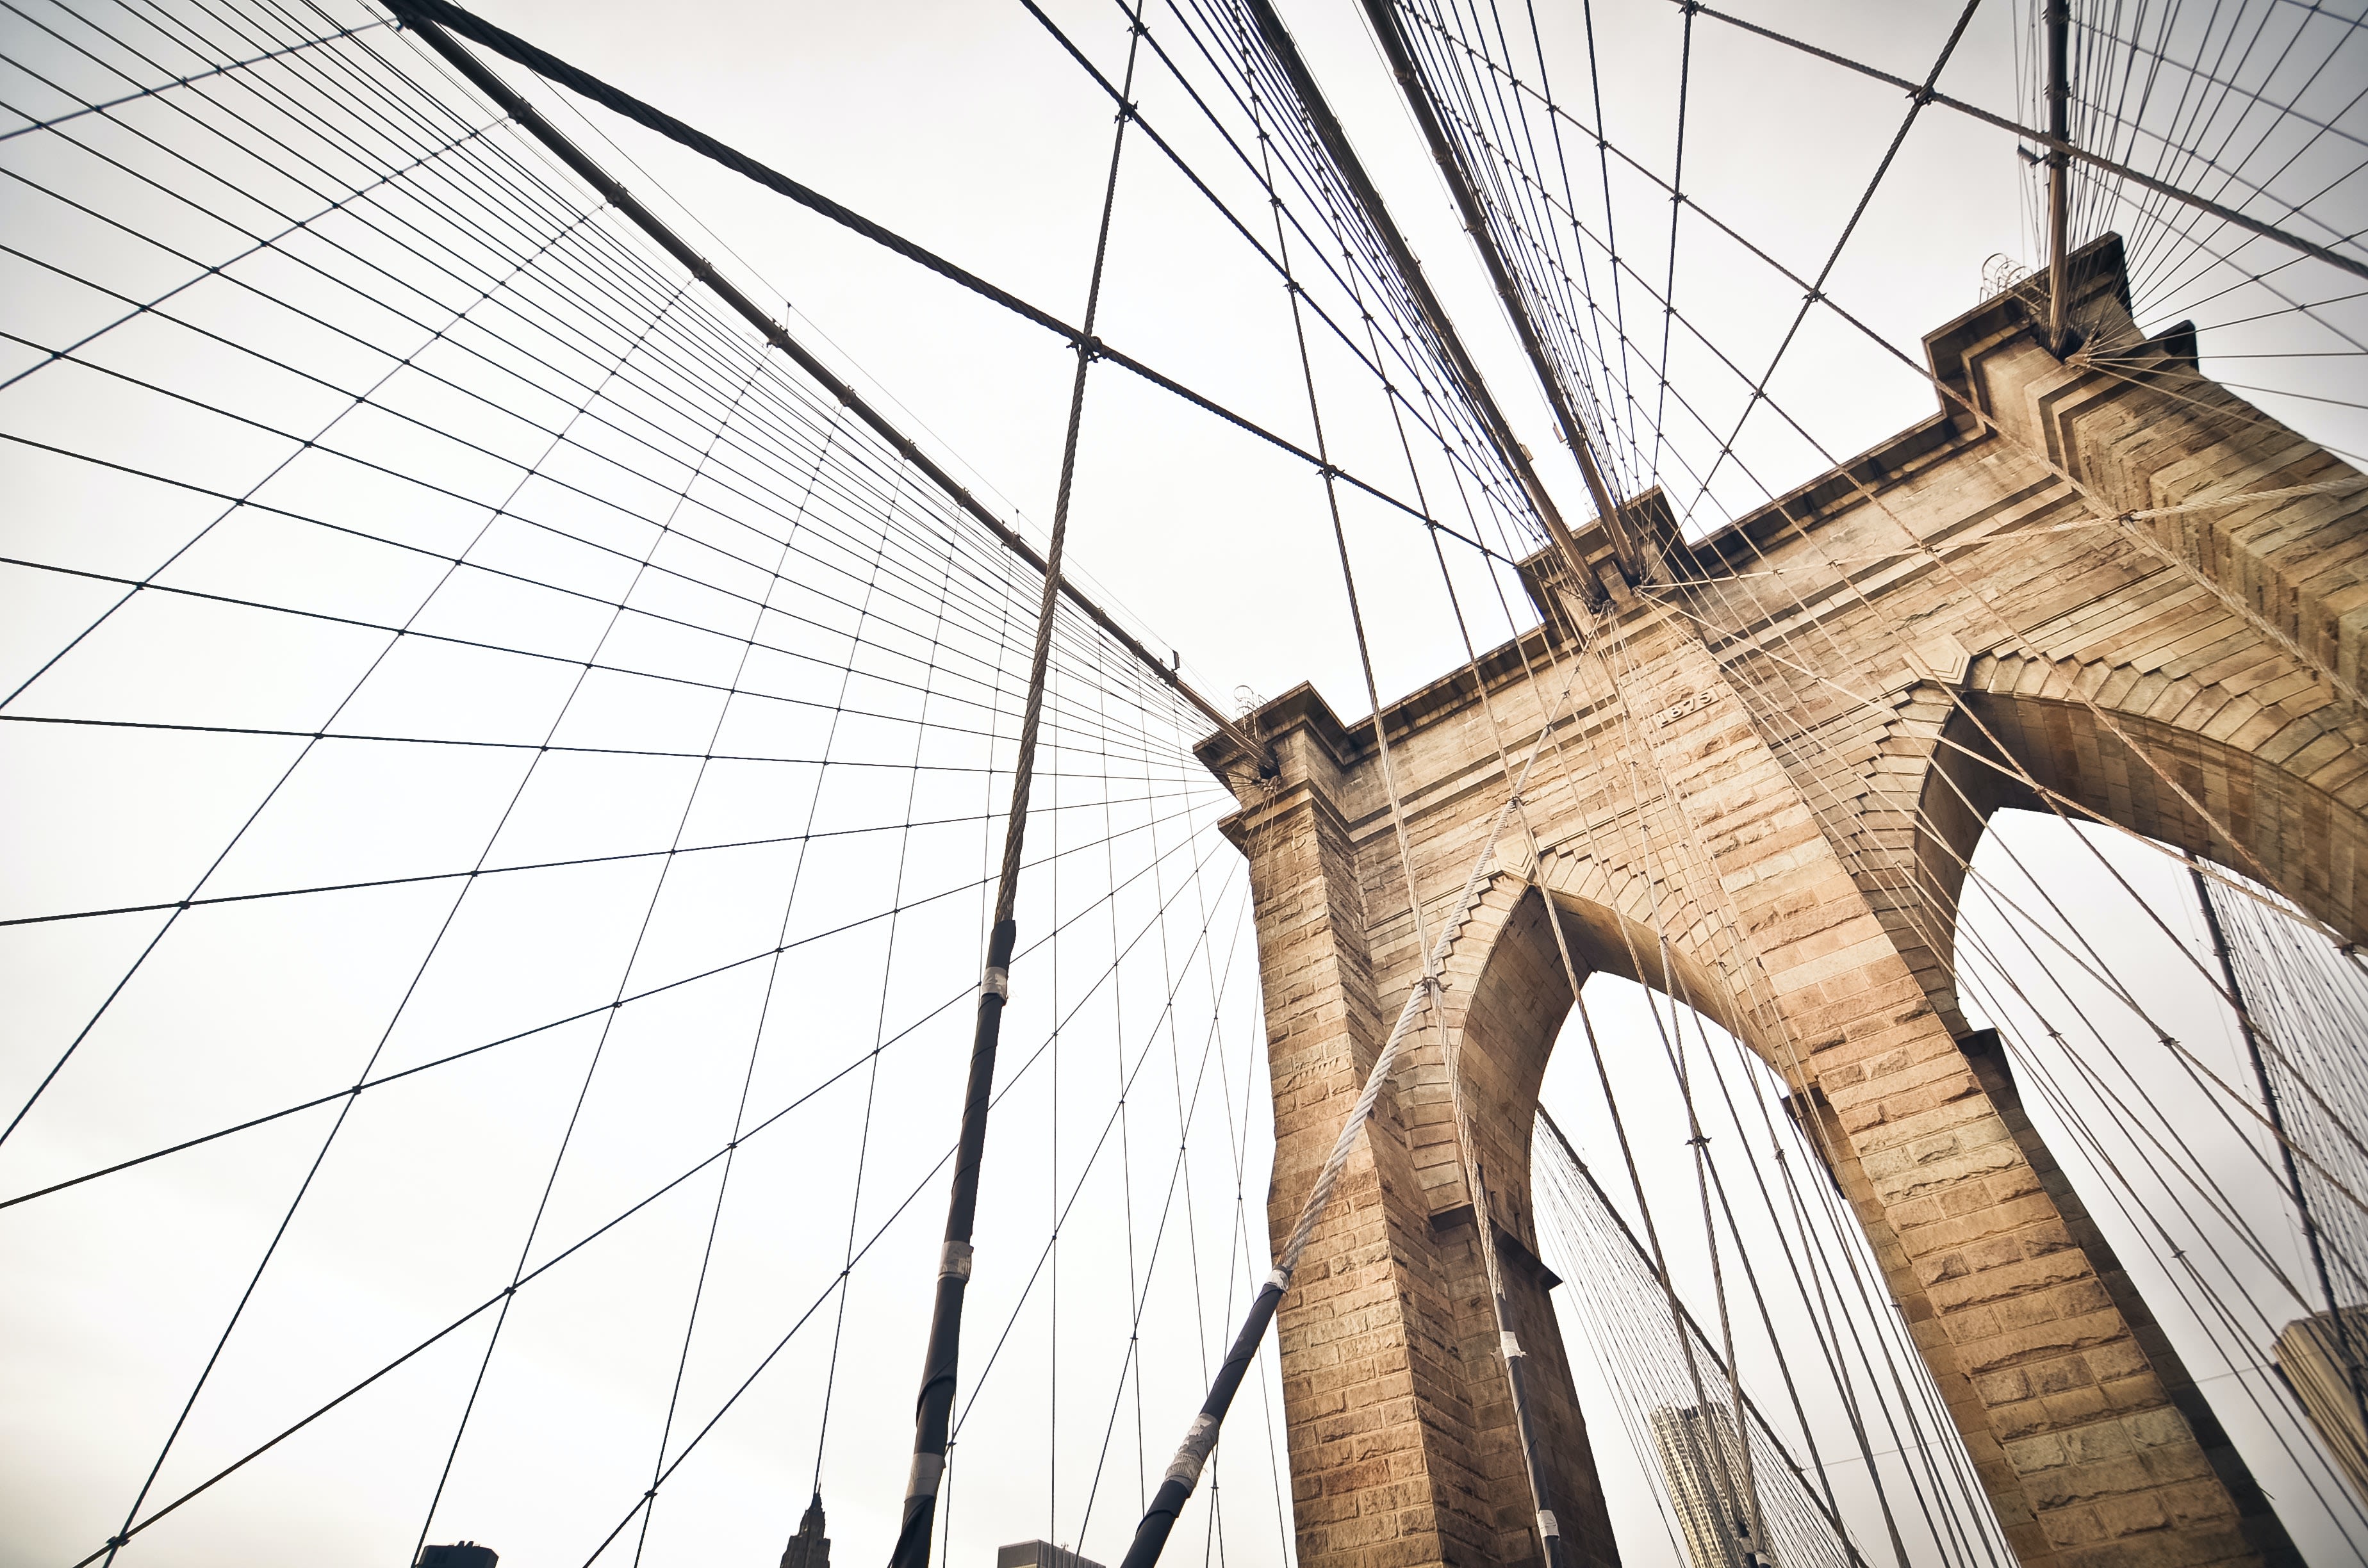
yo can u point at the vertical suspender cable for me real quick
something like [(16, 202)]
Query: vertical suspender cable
[(1630, 549), (2059, 170), (1184, 1472), (934, 1412), (2338, 1319), (1466, 371), (429, 24)]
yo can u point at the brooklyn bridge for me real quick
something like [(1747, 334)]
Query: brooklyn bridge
[(1357, 784)]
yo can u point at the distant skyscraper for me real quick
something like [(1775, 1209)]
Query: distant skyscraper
[(2312, 1356), (809, 1548), (1040, 1554), (1703, 1466)]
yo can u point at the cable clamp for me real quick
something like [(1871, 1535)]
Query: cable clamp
[(1279, 1278), (997, 984), (955, 1263), (1546, 1525), (1511, 1346), (923, 1483), (1194, 1453)]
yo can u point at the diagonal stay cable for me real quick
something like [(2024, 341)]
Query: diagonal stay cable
[(552, 68), (2041, 139), (1043, 1050), (586, 1240), (465, 1053)]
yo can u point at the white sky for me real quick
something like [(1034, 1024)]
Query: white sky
[(964, 127)]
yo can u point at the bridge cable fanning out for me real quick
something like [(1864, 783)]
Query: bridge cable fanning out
[(610, 446)]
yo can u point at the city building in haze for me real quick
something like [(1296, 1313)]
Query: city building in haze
[(809, 1548), (1703, 1463), (1040, 1554), (2321, 1368)]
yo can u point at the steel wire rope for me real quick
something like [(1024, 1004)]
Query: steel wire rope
[(1310, 180), (188, 80), (1310, 163), (398, 633), (1138, 1293), (466, 1053), (2178, 147), (1010, 1084), (855, 1200), (2110, 42), (2124, 1193), (659, 676), (1080, 338), (1557, 1188), (1372, 362), (935, 1402), (558, 1258), (658, 230), (1625, 710), (1531, 836), (871, 1079), (2040, 139), (1691, 842), (624, 982), (538, 865), (2164, 1155), (1951, 396), (1063, 1207), (1548, 307), (1743, 1252)]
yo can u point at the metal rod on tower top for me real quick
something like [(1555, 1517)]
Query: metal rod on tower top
[(2059, 169)]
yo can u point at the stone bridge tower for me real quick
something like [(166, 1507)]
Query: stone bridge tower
[(1800, 744)]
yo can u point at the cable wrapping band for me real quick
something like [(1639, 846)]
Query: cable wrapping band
[(1184, 1475)]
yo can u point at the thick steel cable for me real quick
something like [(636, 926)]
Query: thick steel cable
[(2051, 143), (1080, 338), (492, 1301), (933, 1419)]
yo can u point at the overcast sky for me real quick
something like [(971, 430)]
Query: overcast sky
[(965, 126)]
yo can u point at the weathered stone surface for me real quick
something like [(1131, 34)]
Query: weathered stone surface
[(1779, 768)]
